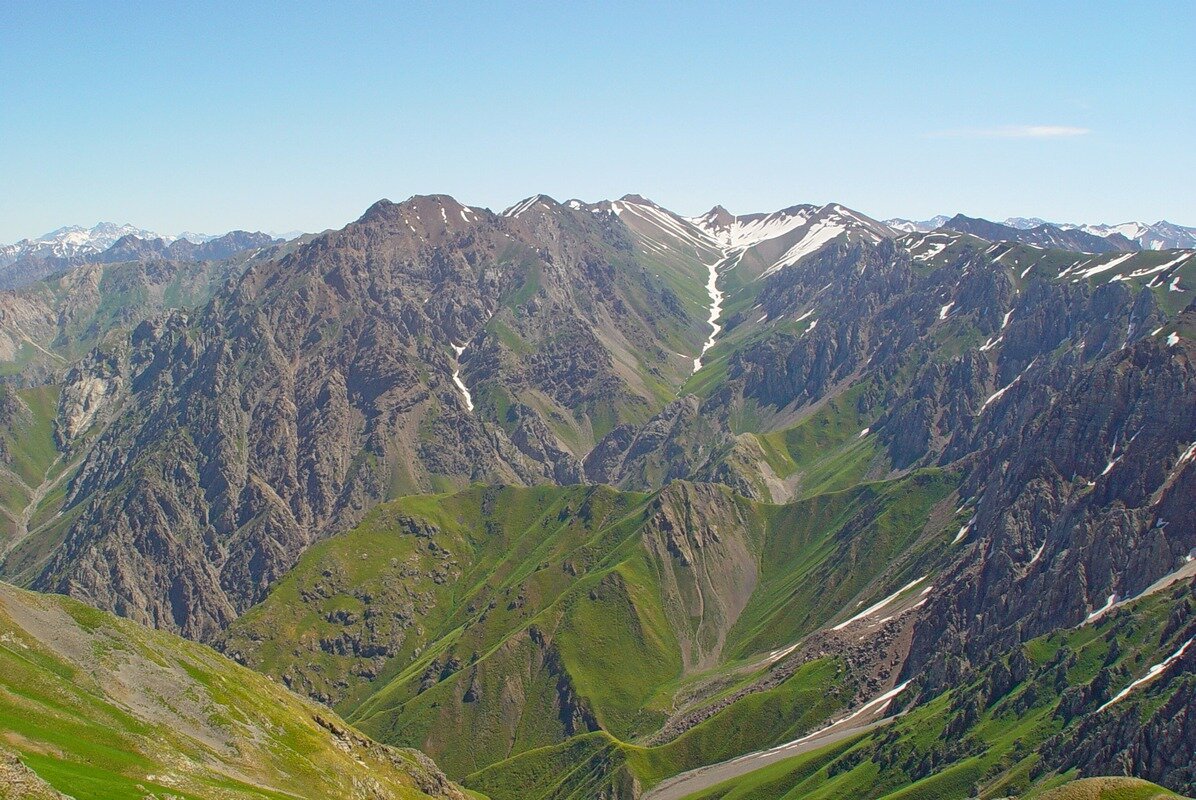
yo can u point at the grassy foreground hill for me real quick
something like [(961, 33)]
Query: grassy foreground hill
[(1109, 789), (93, 706)]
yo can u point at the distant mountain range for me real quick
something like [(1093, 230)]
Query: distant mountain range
[(75, 240), (1162, 235), (29, 260)]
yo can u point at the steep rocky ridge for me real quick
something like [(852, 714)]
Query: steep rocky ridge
[(1078, 702), (47, 325), (321, 382), (1084, 498), (28, 262)]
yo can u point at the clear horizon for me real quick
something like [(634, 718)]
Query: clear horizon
[(271, 118)]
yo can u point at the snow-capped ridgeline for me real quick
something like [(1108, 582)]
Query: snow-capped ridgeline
[(1162, 235), (914, 226), (804, 230), (827, 225), (720, 239), (526, 205), (742, 232), (75, 240)]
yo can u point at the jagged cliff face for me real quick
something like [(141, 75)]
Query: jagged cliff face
[(329, 379), (1151, 737), (1085, 497), (47, 325)]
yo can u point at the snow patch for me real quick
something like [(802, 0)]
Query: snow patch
[(522, 206), (959, 537), (1100, 611), (1099, 268), (997, 394), (878, 704), (1152, 673), (821, 233), (459, 349), (716, 309), (1141, 273), (872, 609)]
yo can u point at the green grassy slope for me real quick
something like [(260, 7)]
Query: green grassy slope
[(100, 707), (528, 620), (595, 764), (28, 454), (1109, 789)]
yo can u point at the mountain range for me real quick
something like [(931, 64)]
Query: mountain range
[(29, 260), (1162, 235), (75, 240), (597, 500)]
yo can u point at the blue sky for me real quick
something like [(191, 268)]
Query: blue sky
[(247, 115)]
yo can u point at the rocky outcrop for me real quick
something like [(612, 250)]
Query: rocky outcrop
[(685, 440), (18, 782), (1120, 741), (1081, 497)]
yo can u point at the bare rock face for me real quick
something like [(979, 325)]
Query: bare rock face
[(88, 393), (324, 381), (1085, 496), (685, 440), (708, 570), (23, 321)]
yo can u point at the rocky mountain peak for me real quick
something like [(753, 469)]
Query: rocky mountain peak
[(639, 199), (379, 211), (527, 204)]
